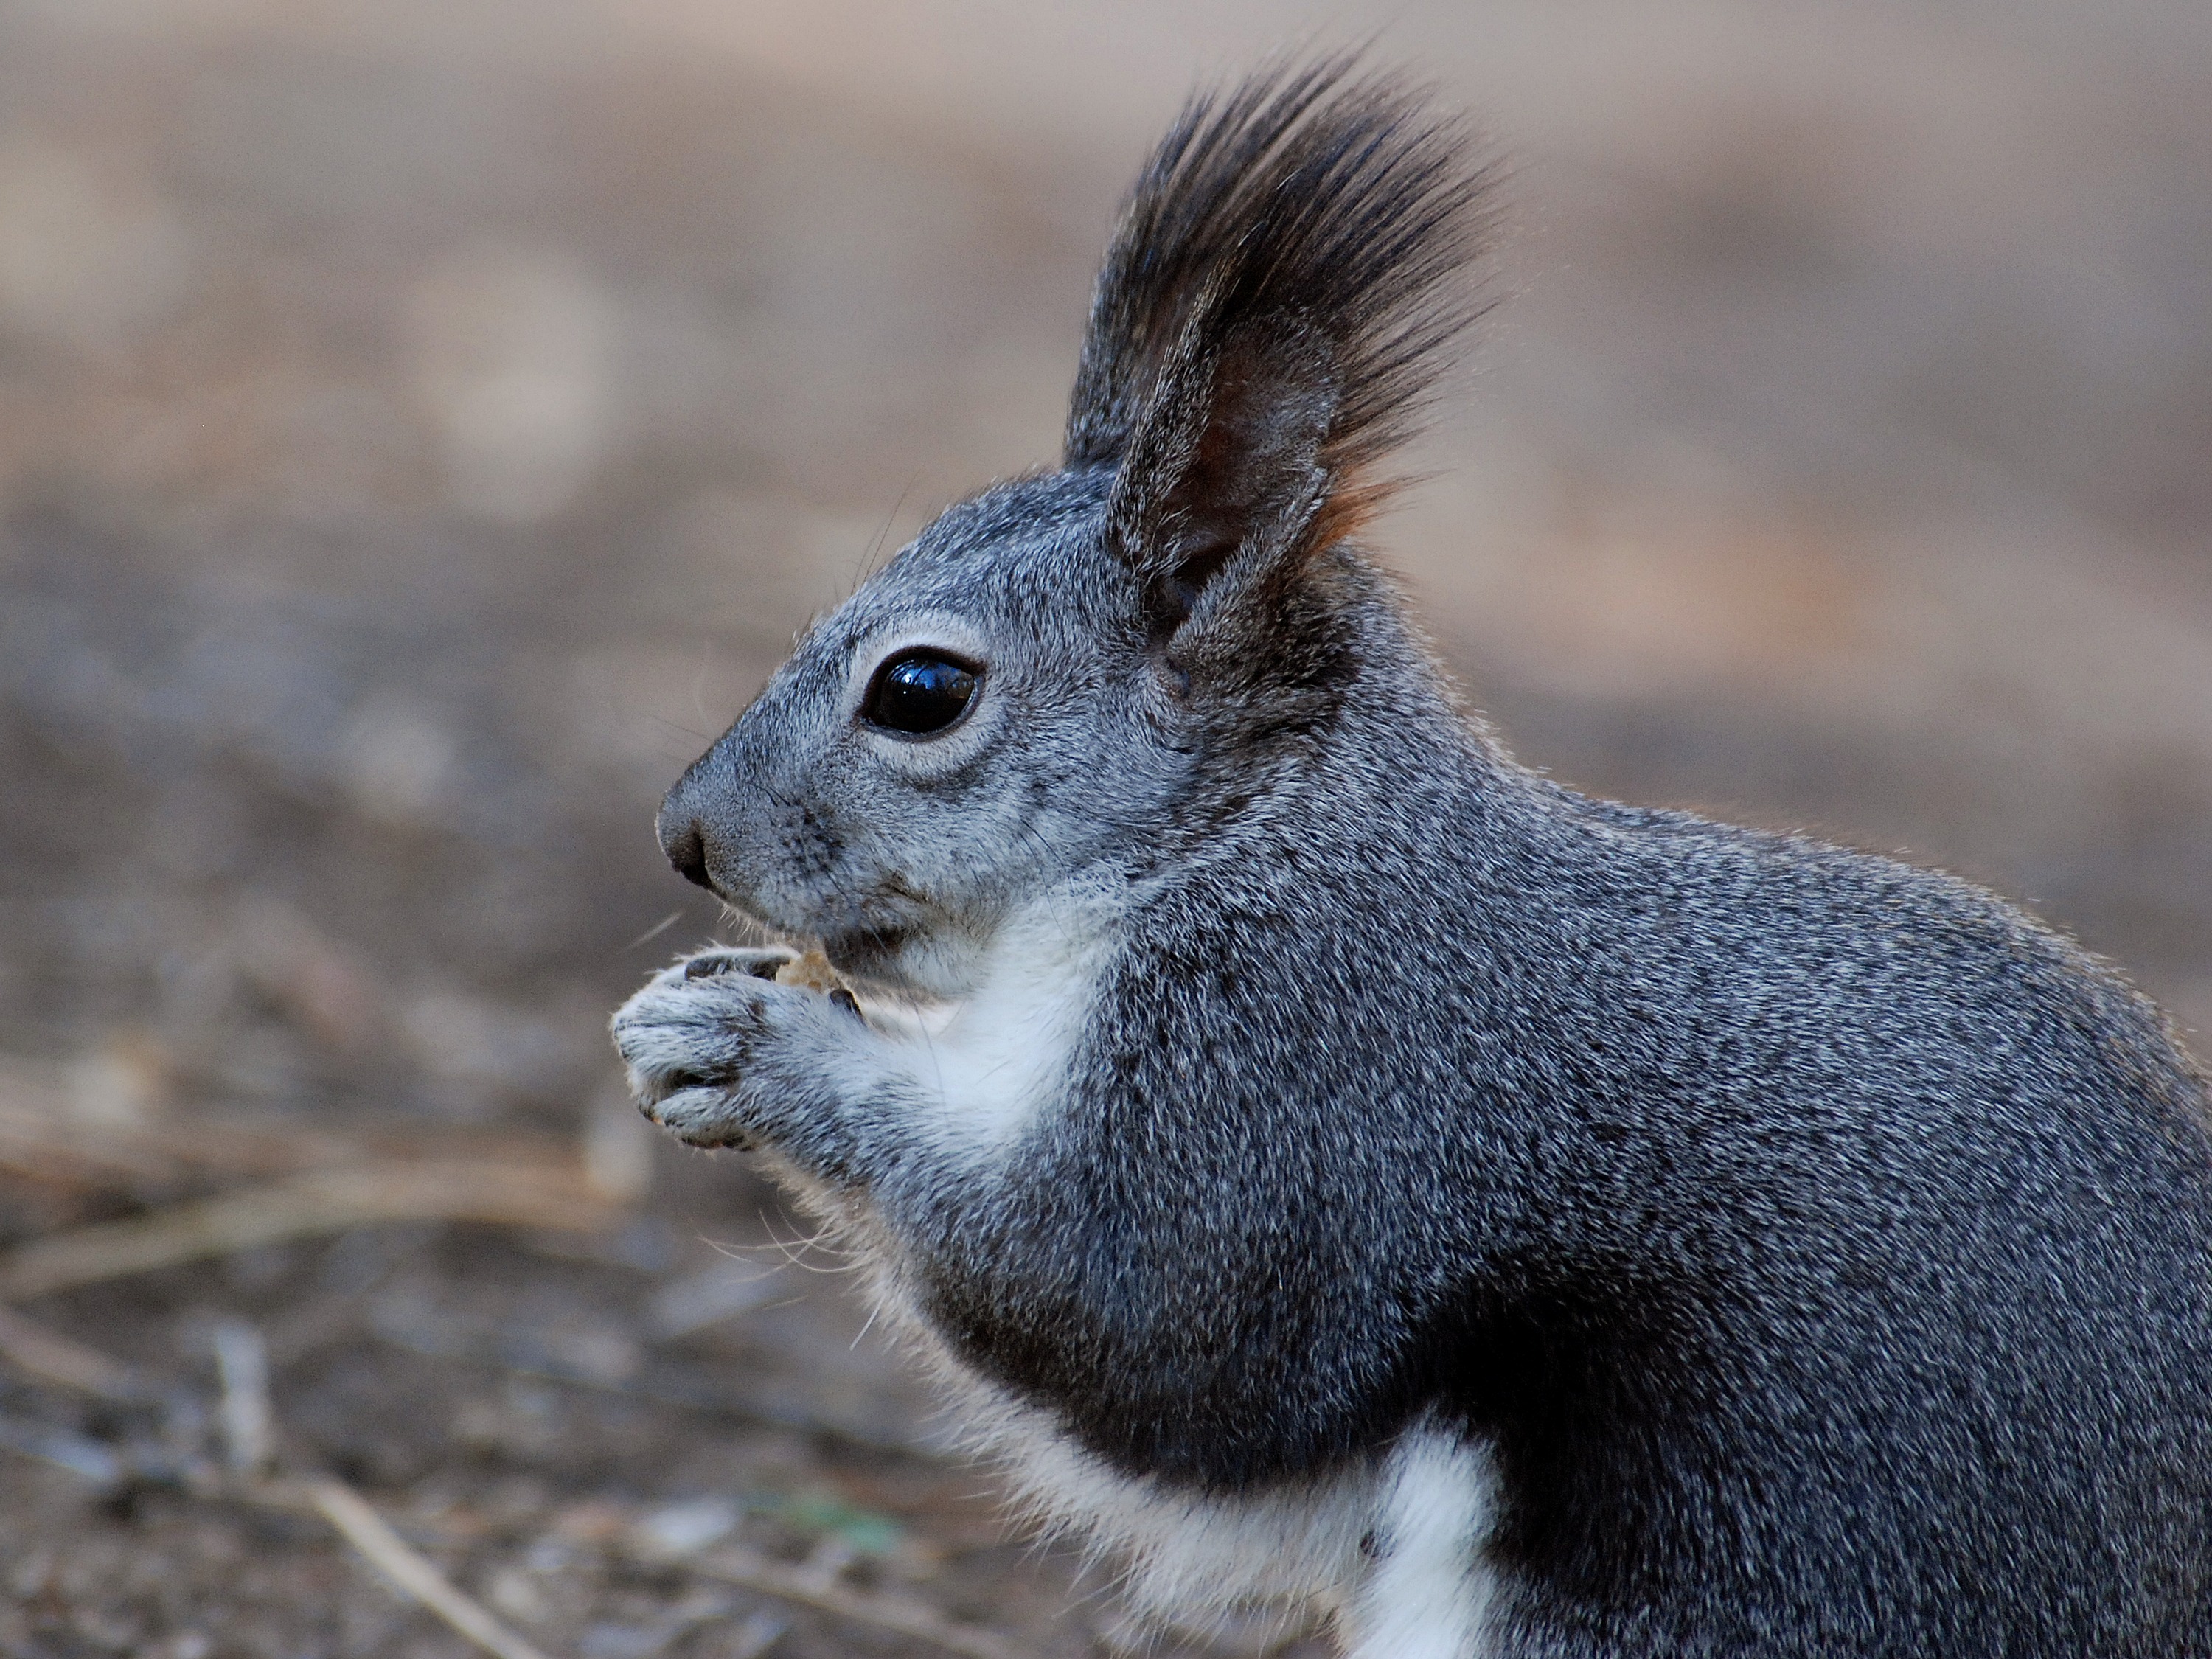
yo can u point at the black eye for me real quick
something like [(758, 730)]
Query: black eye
[(918, 694)]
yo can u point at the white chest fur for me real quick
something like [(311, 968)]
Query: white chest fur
[(990, 1063)]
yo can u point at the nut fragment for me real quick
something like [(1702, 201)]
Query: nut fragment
[(812, 971)]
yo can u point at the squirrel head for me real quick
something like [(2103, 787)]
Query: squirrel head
[(1067, 676)]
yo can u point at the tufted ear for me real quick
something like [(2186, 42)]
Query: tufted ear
[(1225, 466), (1273, 313)]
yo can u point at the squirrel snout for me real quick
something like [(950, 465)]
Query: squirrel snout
[(687, 851), (682, 829), (686, 847)]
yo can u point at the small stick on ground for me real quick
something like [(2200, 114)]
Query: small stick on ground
[(58, 1358), (324, 1201), (80, 1455), (249, 1440), (786, 1583), (409, 1571)]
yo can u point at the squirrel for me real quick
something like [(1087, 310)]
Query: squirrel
[(1340, 1170)]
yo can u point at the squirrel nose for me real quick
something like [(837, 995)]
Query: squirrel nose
[(686, 848)]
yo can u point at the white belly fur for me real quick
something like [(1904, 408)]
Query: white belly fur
[(1390, 1548), (1417, 1588), (1428, 1595)]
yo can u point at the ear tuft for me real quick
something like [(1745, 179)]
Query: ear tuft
[(1275, 309)]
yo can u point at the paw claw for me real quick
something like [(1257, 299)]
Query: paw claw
[(702, 1118), (753, 964)]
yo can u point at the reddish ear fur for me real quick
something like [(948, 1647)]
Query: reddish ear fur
[(1227, 461)]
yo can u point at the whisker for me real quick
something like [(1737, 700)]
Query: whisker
[(653, 932)]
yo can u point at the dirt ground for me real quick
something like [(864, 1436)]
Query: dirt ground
[(422, 426)]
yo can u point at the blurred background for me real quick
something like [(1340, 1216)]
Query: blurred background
[(423, 425)]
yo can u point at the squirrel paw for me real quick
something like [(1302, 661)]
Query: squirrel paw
[(694, 1037)]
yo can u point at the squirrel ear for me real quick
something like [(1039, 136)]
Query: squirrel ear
[(1273, 311), (1227, 459)]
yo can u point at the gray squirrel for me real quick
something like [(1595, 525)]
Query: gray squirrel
[(1338, 1169)]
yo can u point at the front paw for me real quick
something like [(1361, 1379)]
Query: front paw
[(693, 1040)]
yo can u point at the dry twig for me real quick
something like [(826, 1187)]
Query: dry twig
[(249, 1434), (758, 1573), (81, 1455), (408, 1570), (62, 1359), (324, 1201), (46, 1135), (43, 1137)]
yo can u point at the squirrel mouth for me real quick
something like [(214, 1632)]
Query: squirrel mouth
[(865, 952)]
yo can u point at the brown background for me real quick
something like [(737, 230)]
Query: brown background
[(423, 425)]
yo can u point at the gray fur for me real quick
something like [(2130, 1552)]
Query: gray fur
[(1256, 1071)]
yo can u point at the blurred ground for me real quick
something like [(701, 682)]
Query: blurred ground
[(422, 426)]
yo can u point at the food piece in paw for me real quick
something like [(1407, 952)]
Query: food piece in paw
[(812, 970)]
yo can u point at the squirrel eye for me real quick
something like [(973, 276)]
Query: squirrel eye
[(918, 694)]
